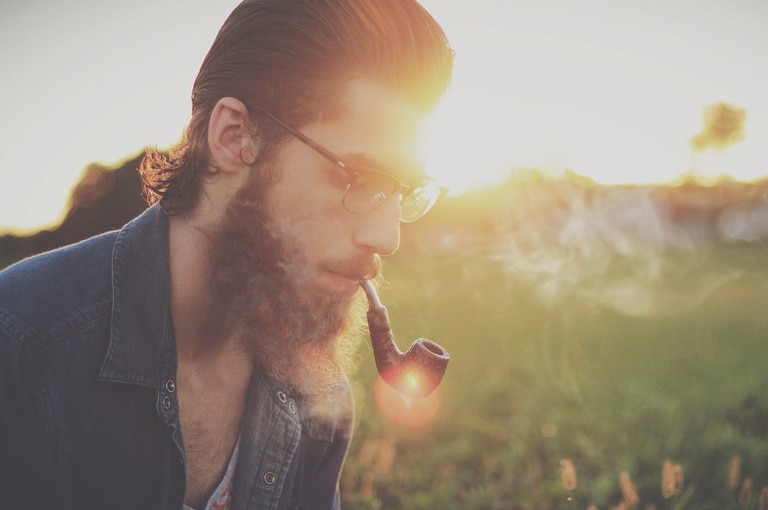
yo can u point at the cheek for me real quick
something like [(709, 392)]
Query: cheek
[(310, 221), (308, 209), (302, 194)]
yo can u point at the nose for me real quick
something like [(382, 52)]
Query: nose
[(378, 231)]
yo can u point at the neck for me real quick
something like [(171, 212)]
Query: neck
[(200, 329)]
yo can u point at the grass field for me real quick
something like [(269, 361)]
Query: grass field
[(576, 401)]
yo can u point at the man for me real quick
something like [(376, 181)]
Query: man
[(196, 358)]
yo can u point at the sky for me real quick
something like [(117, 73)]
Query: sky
[(611, 90)]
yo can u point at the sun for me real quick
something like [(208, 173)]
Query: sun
[(536, 91), (487, 127)]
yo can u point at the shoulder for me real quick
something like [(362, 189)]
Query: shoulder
[(68, 262), (55, 295), (46, 296)]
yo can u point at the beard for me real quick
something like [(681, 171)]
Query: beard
[(294, 332)]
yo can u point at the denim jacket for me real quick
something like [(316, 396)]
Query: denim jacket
[(89, 415)]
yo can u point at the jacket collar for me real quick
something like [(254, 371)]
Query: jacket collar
[(141, 347)]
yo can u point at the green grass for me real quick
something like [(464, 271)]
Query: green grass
[(531, 383)]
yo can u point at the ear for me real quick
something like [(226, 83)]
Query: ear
[(228, 136)]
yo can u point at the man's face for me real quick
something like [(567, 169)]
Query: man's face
[(291, 255)]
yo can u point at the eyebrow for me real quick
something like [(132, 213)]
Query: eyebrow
[(409, 174)]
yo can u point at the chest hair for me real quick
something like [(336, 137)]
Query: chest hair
[(211, 419)]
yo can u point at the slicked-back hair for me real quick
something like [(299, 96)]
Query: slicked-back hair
[(292, 57)]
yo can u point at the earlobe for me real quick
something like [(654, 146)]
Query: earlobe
[(231, 143)]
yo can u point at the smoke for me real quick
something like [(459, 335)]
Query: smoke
[(606, 247), (722, 125), (744, 223)]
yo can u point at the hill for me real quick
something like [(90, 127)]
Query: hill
[(104, 199)]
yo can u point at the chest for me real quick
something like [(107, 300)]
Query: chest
[(210, 426), (211, 419)]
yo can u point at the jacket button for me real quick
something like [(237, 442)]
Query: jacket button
[(292, 407), (282, 397), (167, 402), (170, 386), (270, 478)]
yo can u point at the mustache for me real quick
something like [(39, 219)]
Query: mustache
[(358, 268)]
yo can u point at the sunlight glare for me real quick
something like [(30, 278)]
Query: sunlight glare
[(412, 380), (407, 412), (608, 104)]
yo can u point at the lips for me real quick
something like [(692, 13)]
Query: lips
[(342, 283), (355, 270), (347, 281)]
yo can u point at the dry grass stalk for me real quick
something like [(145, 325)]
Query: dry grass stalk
[(628, 491), (762, 502), (568, 474), (745, 496), (734, 473), (671, 479)]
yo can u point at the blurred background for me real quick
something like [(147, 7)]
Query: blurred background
[(597, 272)]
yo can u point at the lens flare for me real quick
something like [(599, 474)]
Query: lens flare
[(407, 412), (412, 380)]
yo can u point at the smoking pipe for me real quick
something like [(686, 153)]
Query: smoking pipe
[(415, 373)]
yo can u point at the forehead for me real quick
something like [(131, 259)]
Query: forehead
[(373, 127)]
